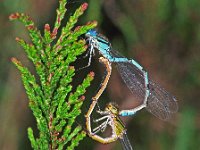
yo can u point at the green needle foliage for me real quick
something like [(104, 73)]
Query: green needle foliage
[(51, 55)]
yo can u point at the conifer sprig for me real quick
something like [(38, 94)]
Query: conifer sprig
[(55, 106)]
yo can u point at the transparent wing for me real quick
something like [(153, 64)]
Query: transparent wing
[(126, 145), (160, 103), (132, 76)]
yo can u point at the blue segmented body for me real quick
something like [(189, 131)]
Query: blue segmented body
[(156, 100)]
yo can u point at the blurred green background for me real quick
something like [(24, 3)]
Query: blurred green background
[(163, 35)]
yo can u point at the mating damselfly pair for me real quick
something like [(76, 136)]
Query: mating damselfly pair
[(153, 97)]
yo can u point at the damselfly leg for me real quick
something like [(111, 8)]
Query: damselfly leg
[(153, 97), (91, 132), (109, 116)]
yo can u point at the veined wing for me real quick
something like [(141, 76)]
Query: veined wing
[(126, 145), (132, 76), (160, 103)]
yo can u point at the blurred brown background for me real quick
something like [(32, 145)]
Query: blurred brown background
[(163, 35)]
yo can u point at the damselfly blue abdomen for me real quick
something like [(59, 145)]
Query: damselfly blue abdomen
[(154, 98)]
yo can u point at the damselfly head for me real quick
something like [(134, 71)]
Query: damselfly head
[(91, 33), (113, 108)]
